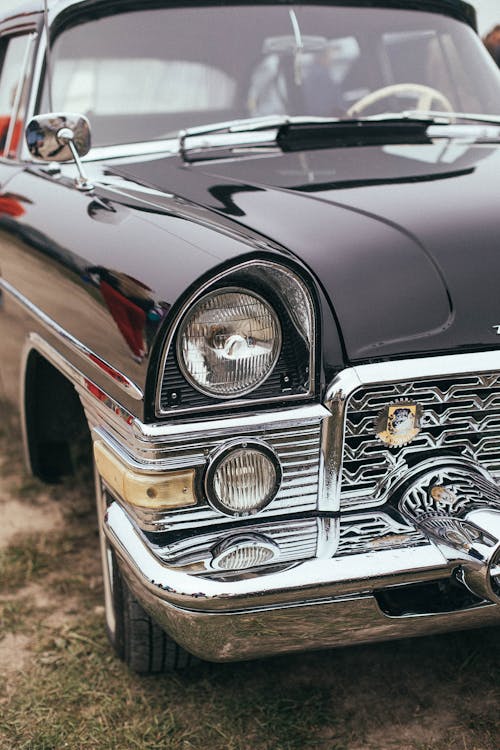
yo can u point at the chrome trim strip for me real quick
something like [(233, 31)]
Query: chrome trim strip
[(299, 415), (332, 442), (38, 63), (146, 467), (412, 369), (328, 537), (77, 346), (23, 76), (198, 294), (128, 150), (27, 348)]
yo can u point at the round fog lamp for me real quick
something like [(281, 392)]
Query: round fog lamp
[(241, 553), (243, 480)]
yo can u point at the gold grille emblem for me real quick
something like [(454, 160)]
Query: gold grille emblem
[(441, 494), (398, 424)]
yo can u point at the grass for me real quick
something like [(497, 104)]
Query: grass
[(78, 695), (106, 707), (28, 559), (15, 616), (438, 693)]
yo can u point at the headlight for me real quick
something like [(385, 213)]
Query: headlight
[(229, 343), (243, 479)]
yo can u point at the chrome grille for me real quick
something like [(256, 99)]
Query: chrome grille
[(461, 417), (295, 541), (369, 532)]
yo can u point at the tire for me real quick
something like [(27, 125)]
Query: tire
[(137, 639), (134, 635)]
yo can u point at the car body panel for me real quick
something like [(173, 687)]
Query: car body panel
[(380, 238)]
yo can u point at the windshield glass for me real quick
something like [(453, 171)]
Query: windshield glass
[(145, 74)]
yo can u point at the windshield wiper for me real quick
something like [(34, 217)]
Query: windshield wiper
[(251, 131), (290, 132), (293, 133)]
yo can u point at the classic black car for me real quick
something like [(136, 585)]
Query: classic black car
[(253, 250)]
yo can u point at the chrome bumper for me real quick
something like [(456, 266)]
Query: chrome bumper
[(315, 604), (333, 596)]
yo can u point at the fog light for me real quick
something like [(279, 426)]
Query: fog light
[(240, 553), (244, 479)]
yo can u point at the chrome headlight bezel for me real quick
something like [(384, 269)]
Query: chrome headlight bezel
[(243, 391), (225, 452), (283, 289)]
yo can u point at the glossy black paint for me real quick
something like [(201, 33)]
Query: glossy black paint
[(403, 251), (459, 9), (402, 239)]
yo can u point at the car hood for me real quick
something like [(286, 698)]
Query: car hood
[(403, 239)]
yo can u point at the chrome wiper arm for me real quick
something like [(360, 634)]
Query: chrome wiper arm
[(250, 124), (450, 117)]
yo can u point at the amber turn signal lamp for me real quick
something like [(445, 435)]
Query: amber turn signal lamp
[(159, 491)]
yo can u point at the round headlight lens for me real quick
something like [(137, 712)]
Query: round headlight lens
[(229, 343), (242, 481)]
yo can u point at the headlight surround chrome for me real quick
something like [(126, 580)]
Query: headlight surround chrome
[(294, 374), (229, 342), (243, 478)]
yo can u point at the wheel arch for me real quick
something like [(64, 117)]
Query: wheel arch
[(55, 430)]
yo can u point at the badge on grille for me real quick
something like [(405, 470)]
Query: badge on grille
[(398, 424)]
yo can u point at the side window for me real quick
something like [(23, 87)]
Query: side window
[(13, 92)]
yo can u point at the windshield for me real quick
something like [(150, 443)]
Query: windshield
[(146, 74)]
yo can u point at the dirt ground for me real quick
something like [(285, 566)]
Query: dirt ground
[(62, 687)]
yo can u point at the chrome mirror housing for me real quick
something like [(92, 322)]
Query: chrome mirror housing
[(58, 137)]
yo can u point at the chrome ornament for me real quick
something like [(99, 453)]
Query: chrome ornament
[(459, 510), (398, 423)]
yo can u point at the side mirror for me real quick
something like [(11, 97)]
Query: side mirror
[(60, 137), (49, 137)]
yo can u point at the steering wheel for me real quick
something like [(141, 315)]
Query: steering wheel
[(426, 95)]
